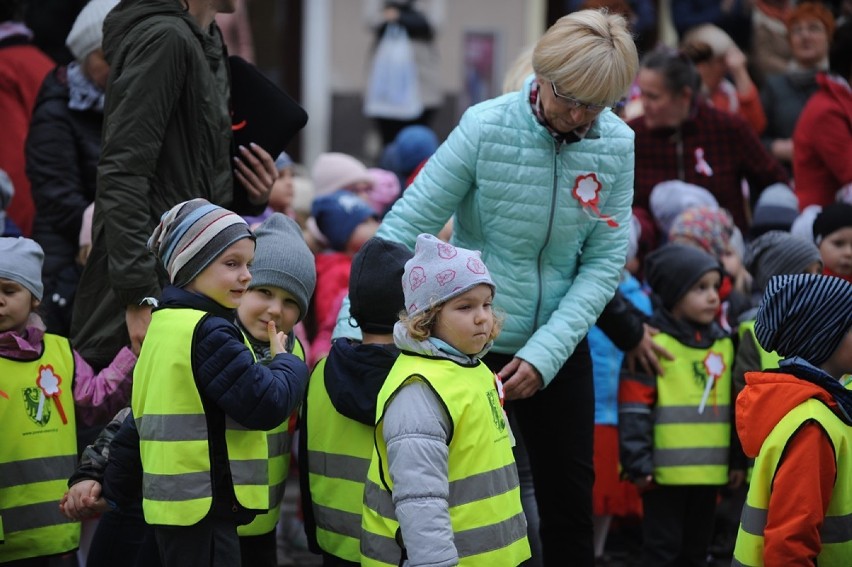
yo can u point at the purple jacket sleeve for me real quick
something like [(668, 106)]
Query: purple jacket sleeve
[(99, 396)]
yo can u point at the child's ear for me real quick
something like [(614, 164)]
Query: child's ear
[(34, 304)]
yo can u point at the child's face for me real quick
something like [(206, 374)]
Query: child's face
[(264, 304), (362, 233), (732, 262), (840, 362), (226, 279), (16, 303), (466, 321), (836, 251), (281, 196), (701, 302)]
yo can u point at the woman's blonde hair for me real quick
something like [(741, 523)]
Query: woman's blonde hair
[(519, 70), (589, 54), (420, 326)]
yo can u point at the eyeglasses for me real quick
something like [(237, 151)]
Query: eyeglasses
[(572, 103)]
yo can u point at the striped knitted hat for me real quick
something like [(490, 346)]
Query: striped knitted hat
[(191, 235), (804, 315)]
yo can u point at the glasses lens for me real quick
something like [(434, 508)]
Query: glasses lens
[(573, 103)]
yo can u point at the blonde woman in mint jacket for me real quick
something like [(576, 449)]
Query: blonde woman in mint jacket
[(541, 181)]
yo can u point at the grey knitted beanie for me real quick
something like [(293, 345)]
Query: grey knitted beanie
[(21, 260), (439, 272), (777, 252), (192, 234), (282, 259)]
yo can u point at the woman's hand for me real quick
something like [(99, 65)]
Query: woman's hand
[(520, 379), (137, 318), (256, 171), (648, 353)]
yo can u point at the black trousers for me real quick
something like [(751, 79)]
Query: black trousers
[(558, 425), (677, 525), (212, 542)]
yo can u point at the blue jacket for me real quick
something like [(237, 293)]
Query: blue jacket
[(608, 358), (510, 185)]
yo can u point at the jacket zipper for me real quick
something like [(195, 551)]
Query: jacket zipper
[(549, 231)]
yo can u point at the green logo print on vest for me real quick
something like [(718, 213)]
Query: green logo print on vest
[(496, 410), (36, 399)]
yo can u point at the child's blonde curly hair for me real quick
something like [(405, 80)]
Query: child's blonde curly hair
[(419, 326)]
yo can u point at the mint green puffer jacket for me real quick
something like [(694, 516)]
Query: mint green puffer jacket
[(555, 263)]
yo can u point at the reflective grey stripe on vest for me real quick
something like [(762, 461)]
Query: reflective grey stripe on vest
[(484, 485), (379, 500), (693, 456), (468, 542), (488, 538), (462, 491), (37, 470), (689, 414), (167, 487), (381, 548), (249, 472), (344, 467), (191, 427), (835, 529), (31, 516), (278, 445), (338, 521)]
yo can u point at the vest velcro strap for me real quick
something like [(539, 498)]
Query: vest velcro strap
[(43, 469), (693, 456), (689, 414), (32, 516), (481, 486), (174, 427), (176, 487), (347, 467)]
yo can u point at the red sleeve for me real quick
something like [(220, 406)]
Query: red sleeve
[(797, 507), (835, 149), (751, 109)]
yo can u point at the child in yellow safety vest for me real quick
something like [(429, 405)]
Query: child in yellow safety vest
[(796, 420), (46, 388), (202, 403), (442, 487), (675, 428), (283, 279), (339, 413)]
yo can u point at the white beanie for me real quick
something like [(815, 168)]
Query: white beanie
[(335, 170), (87, 33)]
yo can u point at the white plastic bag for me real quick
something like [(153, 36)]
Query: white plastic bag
[(393, 90)]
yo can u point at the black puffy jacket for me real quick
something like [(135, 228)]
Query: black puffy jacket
[(62, 151)]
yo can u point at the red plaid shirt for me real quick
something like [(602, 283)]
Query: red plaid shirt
[(712, 149)]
